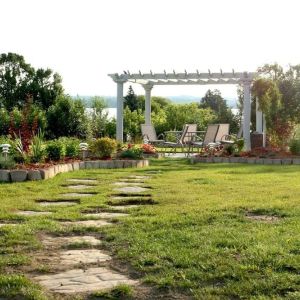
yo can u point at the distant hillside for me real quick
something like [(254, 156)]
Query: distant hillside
[(183, 99)]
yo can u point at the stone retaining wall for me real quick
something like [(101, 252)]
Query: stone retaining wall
[(40, 174), (247, 160)]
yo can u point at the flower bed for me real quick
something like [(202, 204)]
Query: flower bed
[(19, 175)]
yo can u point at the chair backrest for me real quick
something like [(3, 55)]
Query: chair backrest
[(210, 134), (148, 132), (191, 132), (184, 133), (222, 132)]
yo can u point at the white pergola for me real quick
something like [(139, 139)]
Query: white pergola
[(149, 80)]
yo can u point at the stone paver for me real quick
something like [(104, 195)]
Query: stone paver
[(77, 280), (126, 183), (82, 180), (8, 224), (138, 177), (131, 189), (263, 218), (79, 187), (31, 213), (124, 207), (88, 223), (56, 203), (77, 195), (84, 256), (106, 215), (67, 240), (130, 197)]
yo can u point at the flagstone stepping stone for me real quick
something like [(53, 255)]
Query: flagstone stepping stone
[(124, 207), (263, 218), (88, 223), (78, 194), (57, 203), (126, 183), (31, 213), (106, 215), (129, 196), (68, 240), (78, 280), (8, 224), (79, 187), (131, 189), (82, 180), (84, 256), (132, 177)]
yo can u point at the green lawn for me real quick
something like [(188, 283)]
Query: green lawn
[(196, 242)]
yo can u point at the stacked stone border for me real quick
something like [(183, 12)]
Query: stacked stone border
[(246, 160), (46, 173)]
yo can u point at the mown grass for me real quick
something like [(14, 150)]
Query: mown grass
[(195, 241)]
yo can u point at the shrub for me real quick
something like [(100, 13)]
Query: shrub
[(55, 150), (295, 147), (7, 163), (103, 148), (148, 149), (71, 146), (132, 152), (37, 148)]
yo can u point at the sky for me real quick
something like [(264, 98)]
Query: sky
[(84, 40)]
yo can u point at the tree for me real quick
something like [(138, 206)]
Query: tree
[(278, 93), (130, 100), (19, 79), (66, 117), (215, 101), (98, 117)]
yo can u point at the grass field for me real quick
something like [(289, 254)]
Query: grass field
[(217, 231)]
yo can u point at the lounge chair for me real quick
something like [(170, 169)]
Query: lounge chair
[(179, 141), (209, 138), (149, 135), (230, 139), (223, 132)]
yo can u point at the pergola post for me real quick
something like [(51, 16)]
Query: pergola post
[(148, 88), (247, 114), (259, 119), (120, 106)]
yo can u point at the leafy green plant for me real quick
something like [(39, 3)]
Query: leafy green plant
[(54, 150), (295, 147), (37, 148), (103, 147), (132, 152), (21, 155), (71, 146), (7, 163)]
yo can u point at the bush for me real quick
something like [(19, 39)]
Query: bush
[(55, 150), (295, 147), (103, 148), (71, 146), (37, 148), (132, 152), (6, 163)]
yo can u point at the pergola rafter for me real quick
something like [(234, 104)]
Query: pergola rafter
[(149, 80)]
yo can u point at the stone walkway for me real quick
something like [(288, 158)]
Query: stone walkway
[(85, 269), (79, 280)]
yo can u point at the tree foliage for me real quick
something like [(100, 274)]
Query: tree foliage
[(130, 100), (278, 93), (66, 117), (215, 101), (19, 79)]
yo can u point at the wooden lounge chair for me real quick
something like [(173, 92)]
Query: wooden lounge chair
[(149, 135)]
